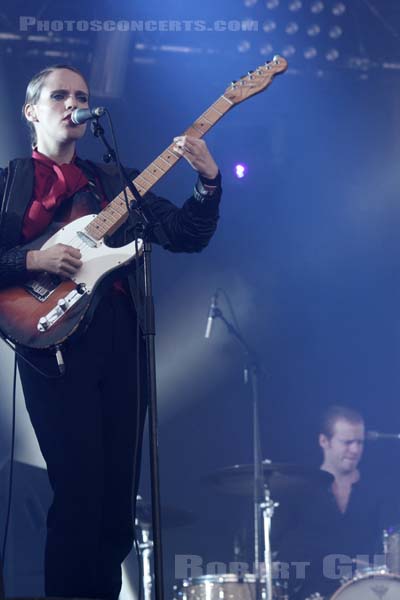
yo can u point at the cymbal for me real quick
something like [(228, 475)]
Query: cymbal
[(280, 477), (170, 515)]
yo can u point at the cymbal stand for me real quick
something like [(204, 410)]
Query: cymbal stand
[(267, 508), (146, 550), (251, 373)]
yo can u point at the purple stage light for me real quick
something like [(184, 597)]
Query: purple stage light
[(240, 170)]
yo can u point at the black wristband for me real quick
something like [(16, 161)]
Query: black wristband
[(213, 182)]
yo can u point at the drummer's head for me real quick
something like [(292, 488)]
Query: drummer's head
[(341, 438)]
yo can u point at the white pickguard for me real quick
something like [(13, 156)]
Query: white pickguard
[(97, 261)]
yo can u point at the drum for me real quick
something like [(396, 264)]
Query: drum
[(225, 587), (370, 585), (219, 587)]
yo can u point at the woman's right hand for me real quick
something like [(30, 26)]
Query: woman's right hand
[(59, 259)]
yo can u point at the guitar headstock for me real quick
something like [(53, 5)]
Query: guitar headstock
[(255, 81)]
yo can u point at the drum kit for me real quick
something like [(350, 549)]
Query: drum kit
[(375, 583), (366, 585)]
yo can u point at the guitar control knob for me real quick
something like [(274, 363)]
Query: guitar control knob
[(43, 324), (62, 304), (81, 288)]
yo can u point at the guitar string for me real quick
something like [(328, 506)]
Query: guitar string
[(79, 245)]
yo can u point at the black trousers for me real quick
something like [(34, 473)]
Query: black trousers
[(89, 425)]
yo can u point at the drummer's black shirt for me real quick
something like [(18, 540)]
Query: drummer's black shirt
[(308, 527)]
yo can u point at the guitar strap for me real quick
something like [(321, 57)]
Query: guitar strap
[(17, 195), (85, 201)]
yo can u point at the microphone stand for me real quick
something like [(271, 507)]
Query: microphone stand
[(261, 496), (147, 223)]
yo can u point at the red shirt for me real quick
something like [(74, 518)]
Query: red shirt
[(54, 183)]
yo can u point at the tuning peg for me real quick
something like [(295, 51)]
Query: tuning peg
[(233, 83)]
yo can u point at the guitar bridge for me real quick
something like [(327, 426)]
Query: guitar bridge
[(42, 286), (63, 305)]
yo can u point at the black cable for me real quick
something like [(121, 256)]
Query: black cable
[(20, 355), (11, 474)]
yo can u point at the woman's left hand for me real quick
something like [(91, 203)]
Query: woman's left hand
[(197, 154)]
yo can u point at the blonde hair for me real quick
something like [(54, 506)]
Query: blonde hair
[(34, 89)]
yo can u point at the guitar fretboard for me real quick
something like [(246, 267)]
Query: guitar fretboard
[(115, 213)]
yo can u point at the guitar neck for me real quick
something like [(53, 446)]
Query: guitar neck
[(115, 213)]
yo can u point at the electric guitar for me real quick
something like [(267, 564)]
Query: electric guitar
[(46, 311)]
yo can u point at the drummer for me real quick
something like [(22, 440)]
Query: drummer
[(328, 526)]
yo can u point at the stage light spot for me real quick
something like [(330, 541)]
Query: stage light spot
[(240, 170)]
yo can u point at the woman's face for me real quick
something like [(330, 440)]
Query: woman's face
[(62, 92)]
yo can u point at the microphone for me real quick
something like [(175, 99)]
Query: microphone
[(81, 115), (374, 436), (211, 315)]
